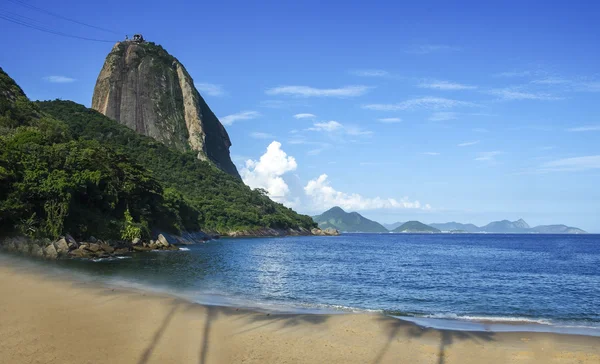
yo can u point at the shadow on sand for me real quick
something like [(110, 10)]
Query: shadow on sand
[(396, 327)]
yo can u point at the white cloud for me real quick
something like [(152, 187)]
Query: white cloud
[(588, 87), (443, 116), (323, 196), (431, 48), (260, 135), (420, 103), (210, 89), (488, 156), (390, 120), (244, 115), (572, 164), (467, 144), (585, 128), (305, 116), (445, 85), (514, 94), (513, 74), (431, 153), (355, 130), (334, 126), (326, 126), (59, 79), (267, 171), (307, 91), (550, 81), (370, 73)]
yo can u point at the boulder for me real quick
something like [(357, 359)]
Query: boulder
[(162, 241), (80, 253), (155, 246), (61, 246), (37, 251), (138, 248), (136, 241), (70, 239), (23, 247), (73, 246), (121, 251), (93, 247), (107, 248), (92, 239), (50, 252)]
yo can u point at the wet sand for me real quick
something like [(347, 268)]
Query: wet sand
[(45, 318)]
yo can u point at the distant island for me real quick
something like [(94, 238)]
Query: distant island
[(415, 227), (351, 222), (337, 218)]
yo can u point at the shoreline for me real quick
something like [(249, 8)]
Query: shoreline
[(433, 321), (50, 317)]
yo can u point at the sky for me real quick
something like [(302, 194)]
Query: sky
[(401, 111)]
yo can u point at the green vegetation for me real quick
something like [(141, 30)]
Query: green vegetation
[(415, 227), (66, 168), (353, 222)]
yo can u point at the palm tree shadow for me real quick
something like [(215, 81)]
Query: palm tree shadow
[(447, 337), (263, 319), (157, 335)]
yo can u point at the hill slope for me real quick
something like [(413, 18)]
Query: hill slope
[(415, 227), (450, 226), (505, 226), (148, 90), (66, 168), (354, 222)]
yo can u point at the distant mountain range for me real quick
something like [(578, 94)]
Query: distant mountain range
[(351, 222), (415, 227), (344, 221)]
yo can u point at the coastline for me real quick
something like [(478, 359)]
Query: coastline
[(49, 317)]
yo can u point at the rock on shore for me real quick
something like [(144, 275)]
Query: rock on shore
[(68, 247)]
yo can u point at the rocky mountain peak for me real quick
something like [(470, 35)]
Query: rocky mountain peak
[(145, 88)]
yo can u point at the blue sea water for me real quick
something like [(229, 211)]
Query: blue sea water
[(548, 280)]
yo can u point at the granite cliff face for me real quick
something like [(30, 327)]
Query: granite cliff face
[(148, 90)]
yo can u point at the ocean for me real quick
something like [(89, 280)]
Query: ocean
[(458, 281)]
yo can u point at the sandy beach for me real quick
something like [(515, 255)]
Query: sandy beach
[(50, 319)]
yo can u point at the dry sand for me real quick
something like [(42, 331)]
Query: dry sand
[(47, 319)]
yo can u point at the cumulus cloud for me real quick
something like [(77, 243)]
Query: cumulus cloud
[(390, 120), (323, 196), (305, 116), (59, 79), (585, 128), (210, 89), (445, 85), (267, 171), (420, 103), (244, 115), (370, 73), (467, 144), (307, 91)]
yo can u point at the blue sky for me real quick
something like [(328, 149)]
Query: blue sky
[(429, 111)]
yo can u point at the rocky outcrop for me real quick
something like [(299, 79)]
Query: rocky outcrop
[(150, 91), (68, 247), (280, 232)]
